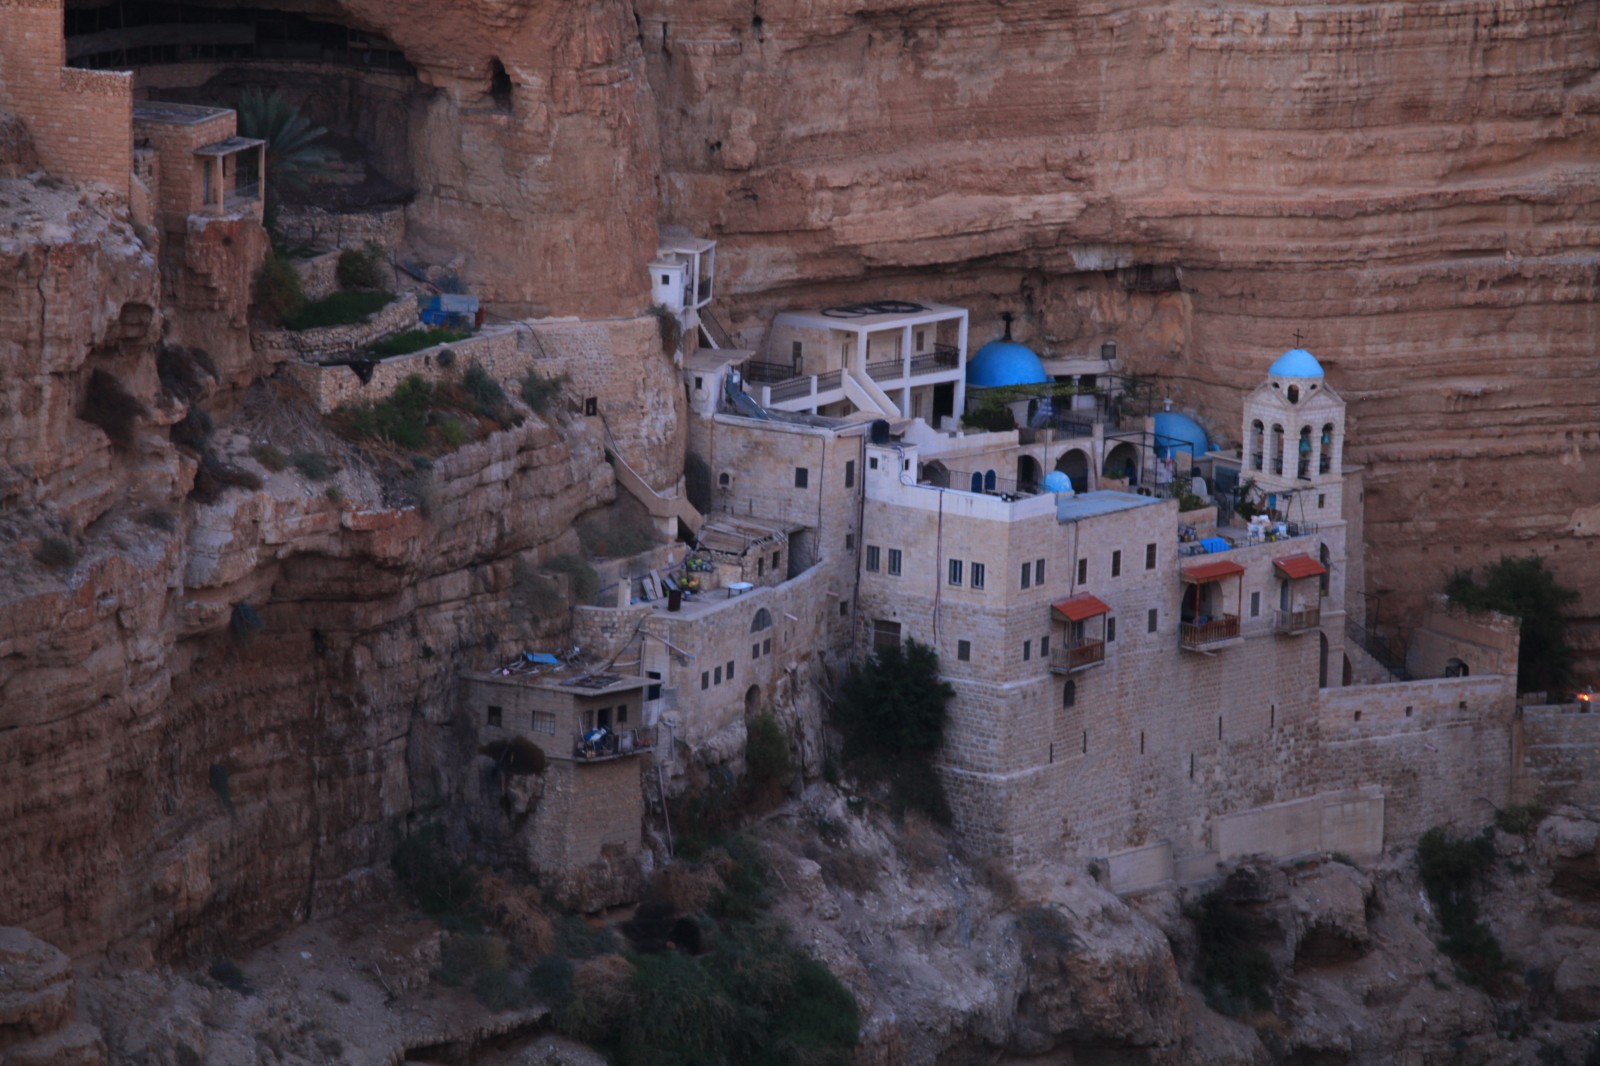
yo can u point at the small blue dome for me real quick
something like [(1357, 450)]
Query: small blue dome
[(1296, 363), (1001, 363), (1181, 433), (1057, 482)]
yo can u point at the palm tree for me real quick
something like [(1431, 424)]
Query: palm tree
[(293, 156)]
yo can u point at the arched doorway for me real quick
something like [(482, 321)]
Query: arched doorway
[(936, 473), (1074, 462), (1028, 474), (752, 701), (1457, 668), (1123, 461)]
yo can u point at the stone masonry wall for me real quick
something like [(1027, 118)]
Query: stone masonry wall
[(334, 341), (81, 120), (1560, 747), (330, 387)]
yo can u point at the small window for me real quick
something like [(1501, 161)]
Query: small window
[(849, 542), (1069, 694), (885, 634), (755, 650), (724, 479), (844, 608), (622, 715), (894, 562), (1038, 572), (797, 352), (850, 474), (922, 340), (591, 406), (1116, 564), (776, 556), (1150, 621), (1027, 575), (495, 715), (955, 571), (802, 477), (977, 575), (1044, 646), (1255, 605), (1027, 650), (654, 691), (1111, 630), (1322, 500), (705, 680), (699, 382), (1083, 571), (1149, 556), (766, 646), (872, 557), (666, 279), (716, 676), (964, 651), (872, 463), (761, 567), (761, 620), (730, 669), (544, 722)]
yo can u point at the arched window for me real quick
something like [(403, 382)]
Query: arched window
[(1326, 465), (977, 481), (989, 481), (1456, 668), (1294, 393), (1277, 448), (1327, 566), (1303, 470), (1258, 442), (1069, 693), (762, 620), (724, 479)]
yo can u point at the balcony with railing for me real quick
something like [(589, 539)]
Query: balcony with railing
[(1211, 633), (622, 744), (1070, 657), (1300, 620)]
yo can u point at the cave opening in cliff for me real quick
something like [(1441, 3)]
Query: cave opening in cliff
[(348, 79)]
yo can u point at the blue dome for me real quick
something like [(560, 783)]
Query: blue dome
[(1296, 363), (1004, 363), (1057, 482), (1183, 434)]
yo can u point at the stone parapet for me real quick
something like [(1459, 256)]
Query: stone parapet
[(330, 387), (340, 341)]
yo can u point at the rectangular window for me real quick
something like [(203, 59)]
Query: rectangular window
[(894, 562), (872, 463), (1044, 646), (1116, 564), (802, 477), (761, 567), (766, 646), (1255, 605), (849, 542), (705, 680), (885, 634), (844, 608), (755, 651), (1150, 621), (850, 474), (1083, 571), (654, 691), (922, 340), (716, 676), (1149, 556), (1027, 575), (1322, 500), (495, 714), (699, 382), (1111, 630), (964, 651), (796, 352), (544, 722), (1027, 650), (1038, 572), (977, 575), (955, 571), (872, 557), (775, 557), (622, 715), (666, 279), (730, 669)]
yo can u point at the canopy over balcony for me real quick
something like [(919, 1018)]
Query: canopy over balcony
[(1209, 621), (1080, 647)]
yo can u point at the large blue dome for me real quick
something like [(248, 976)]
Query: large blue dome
[(1000, 363), (1182, 433), (1296, 363)]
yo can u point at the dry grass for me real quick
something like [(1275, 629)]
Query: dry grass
[(515, 911)]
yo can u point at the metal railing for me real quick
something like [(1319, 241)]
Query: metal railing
[(887, 370), (618, 745), (1379, 647), (943, 357), (756, 370), (791, 389), (1079, 655), (713, 328), (1200, 634), (1299, 620)]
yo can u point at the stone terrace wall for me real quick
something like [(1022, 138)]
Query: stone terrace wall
[(335, 341), (330, 387), (81, 121), (1560, 751), (385, 226)]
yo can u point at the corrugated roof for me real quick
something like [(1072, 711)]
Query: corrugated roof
[(1199, 575), (1296, 566), (1080, 607)]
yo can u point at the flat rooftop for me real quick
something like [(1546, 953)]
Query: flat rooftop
[(1093, 504), (857, 317), (583, 678), (175, 114)]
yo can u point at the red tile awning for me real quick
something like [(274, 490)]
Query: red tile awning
[(1208, 572), (1298, 566), (1080, 607)]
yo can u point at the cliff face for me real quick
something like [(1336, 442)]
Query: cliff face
[(1410, 187)]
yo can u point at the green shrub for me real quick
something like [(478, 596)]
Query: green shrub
[(576, 939), (550, 978), (194, 430), (361, 268), (271, 458), (583, 582), (431, 875), (766, 756), (453, 432), (245, 623), (56, 553), (482, 387), (1518, 819), (670, 328), (1524, 588), (213, 477), (895, 703), (111, 407), (401, 419), (314, 465), (276, 296), (1451, 869), (990, 417), (339, 309), (1233, 972), (414, 340), (538, 391)]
